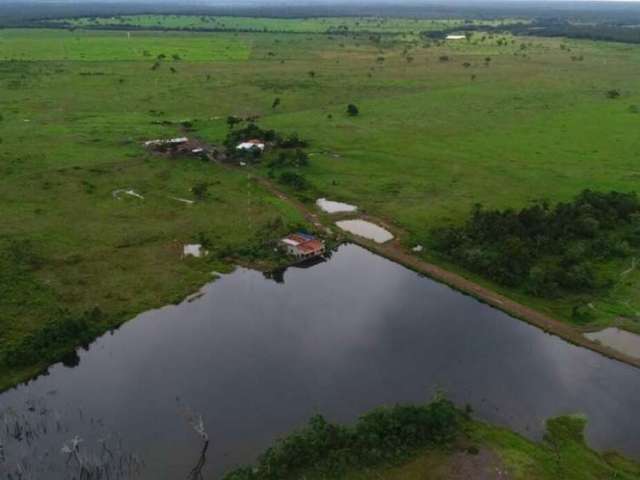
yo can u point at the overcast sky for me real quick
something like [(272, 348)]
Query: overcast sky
[(310, 2)]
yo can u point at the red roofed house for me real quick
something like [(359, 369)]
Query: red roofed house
[(303, 246)]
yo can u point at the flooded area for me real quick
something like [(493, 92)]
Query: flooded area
[(256, 355), (365, 229), (621, 340), (329, 206)]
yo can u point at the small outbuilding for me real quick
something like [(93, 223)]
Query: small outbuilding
[(251, 144), (303, 246)]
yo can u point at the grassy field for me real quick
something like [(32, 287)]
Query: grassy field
[(441, 128), (57, 45), (293, 25)]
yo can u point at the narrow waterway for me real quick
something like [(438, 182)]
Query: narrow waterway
[(256, 357)]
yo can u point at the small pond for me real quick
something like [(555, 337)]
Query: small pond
[(365, 229), (255, 357), (329, 206)]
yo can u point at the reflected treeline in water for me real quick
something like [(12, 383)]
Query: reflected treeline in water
[(277, 275), (37, 442)]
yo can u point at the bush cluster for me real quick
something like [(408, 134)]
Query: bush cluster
[(546, 249), (385, 435), (288, 158)]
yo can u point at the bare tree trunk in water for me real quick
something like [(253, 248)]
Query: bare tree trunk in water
[(196, 472)]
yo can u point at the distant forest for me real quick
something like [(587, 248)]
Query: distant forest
[(628, 32)]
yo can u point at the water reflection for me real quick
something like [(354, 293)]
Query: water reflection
[(257, 358)]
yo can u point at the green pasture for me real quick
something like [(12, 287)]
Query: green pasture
[(441, 128), (59, 45), (291, 25)]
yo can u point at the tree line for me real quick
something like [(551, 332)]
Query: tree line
[(547, 250)]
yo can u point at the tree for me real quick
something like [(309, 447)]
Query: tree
[(613, 93), (352, 110), (232, 121), (276, 102), (312, 74), (200, 190)]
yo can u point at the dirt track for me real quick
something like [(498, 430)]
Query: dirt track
[(394, 251)]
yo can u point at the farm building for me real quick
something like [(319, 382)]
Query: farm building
[(170, 142), (456, 37), (180, 146), (250, 145), (302, 245)]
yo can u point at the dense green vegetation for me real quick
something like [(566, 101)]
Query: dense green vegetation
[(331, 25), (435, 441), (492, 124), (550, 251), (383, 435)]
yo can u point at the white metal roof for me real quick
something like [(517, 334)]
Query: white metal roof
[(288, 241), (249, 146)]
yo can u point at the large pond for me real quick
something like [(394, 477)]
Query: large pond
[(256, 357)]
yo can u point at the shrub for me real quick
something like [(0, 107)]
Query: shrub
[(352, 110), (294, 180), (297, 158), (200, 190), (613, 93)]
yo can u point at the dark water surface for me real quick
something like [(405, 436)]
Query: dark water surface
[(256, 358)]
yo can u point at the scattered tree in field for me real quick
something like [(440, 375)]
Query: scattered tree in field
[(200, 190), (276, 103), (232, 121), (294, 180), (613, 93), (173, 70), (312, 74), (444, 58), (352, 110)]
